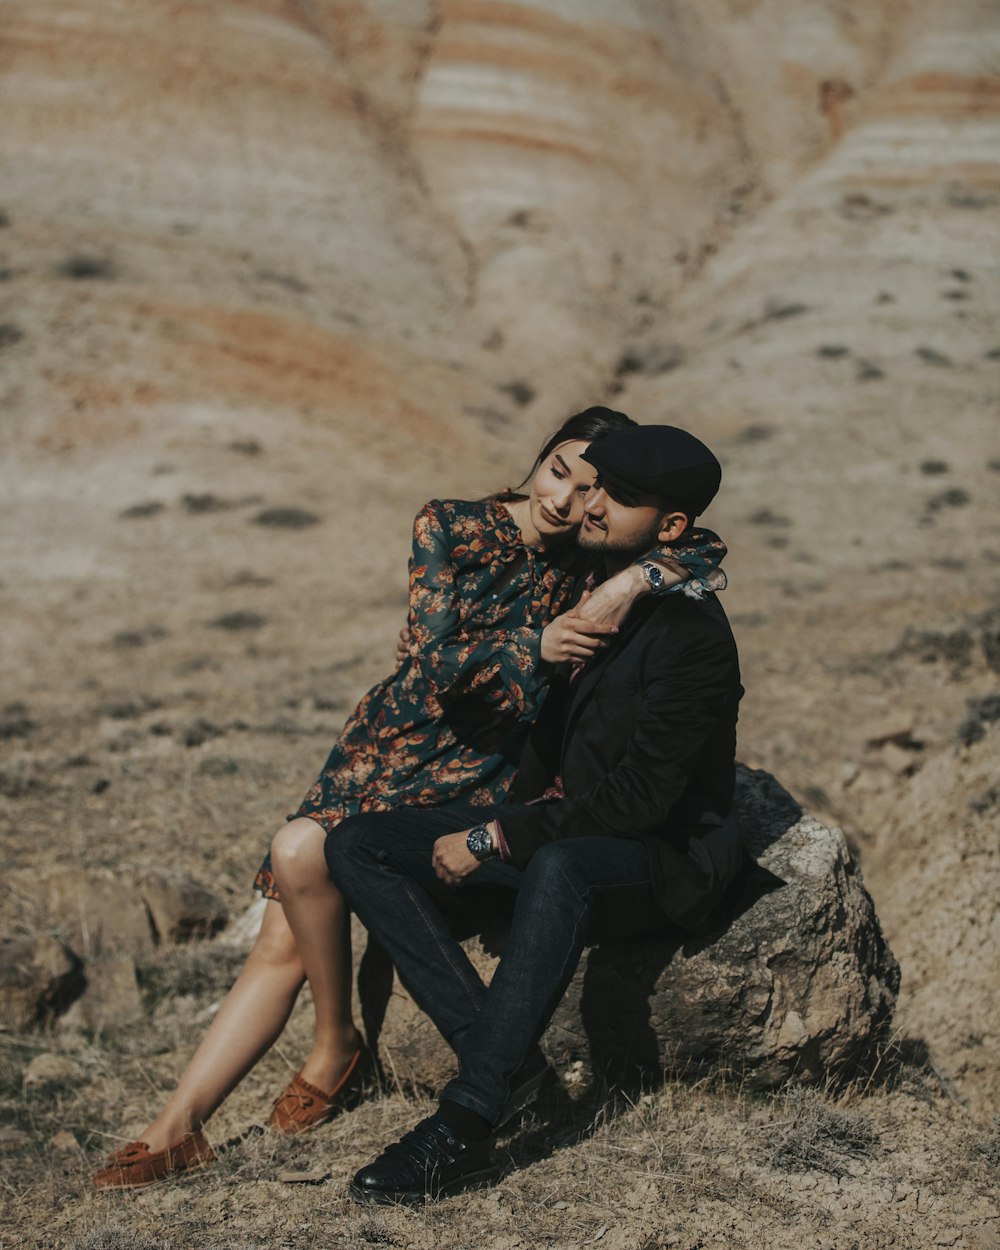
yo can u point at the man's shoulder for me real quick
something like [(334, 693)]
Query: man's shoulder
[(679, 622), (679, 611)]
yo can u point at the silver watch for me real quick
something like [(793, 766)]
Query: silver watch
[(653, 575), (480, 843)]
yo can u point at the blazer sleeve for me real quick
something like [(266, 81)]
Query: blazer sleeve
[(683, 699)]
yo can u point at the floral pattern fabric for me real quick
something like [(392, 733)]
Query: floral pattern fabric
[(448, 724)]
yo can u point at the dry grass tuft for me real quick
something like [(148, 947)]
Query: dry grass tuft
[(195, 969), (822, 1136), (115, 1238), (987, 1146)]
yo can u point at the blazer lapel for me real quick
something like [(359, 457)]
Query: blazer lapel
[(583, 686)]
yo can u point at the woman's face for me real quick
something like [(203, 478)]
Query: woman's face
[(558, 489)]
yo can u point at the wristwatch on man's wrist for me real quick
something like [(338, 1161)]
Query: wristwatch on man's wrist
[(479, 840), (653, 575)]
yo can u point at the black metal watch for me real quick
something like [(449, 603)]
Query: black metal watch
[(653, 575), (480, 843)]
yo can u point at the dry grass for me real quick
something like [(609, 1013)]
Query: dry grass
[(821, 1136), (114, 1238), (682, 1166)]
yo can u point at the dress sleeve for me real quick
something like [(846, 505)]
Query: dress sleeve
[(699, 552), (500, 669)]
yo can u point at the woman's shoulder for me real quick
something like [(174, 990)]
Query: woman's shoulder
[(465, 525), (457, 515)]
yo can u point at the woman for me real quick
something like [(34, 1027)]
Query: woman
[(488, 582)]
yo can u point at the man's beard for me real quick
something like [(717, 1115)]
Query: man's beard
[(600, 544)]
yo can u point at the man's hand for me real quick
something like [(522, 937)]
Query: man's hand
[(452, 860), (611, 602), (572, 637)]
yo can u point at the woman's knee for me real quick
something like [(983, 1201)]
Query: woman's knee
[(297, 853)]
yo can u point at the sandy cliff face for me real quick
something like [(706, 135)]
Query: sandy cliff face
[(341, 256), (593, 155)]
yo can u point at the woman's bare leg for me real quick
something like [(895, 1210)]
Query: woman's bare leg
[(248, 1023), (320, 920)]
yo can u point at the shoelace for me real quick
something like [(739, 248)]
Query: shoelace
[(427, 1145), (301, 1096)]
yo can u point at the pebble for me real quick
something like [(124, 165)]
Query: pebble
[(897, 760), (49, 1069), (303, 1178), (64, 1142), (895, 728)]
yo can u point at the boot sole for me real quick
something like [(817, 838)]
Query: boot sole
[(417, 1197)]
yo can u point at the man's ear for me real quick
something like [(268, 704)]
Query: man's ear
[(672, 526)]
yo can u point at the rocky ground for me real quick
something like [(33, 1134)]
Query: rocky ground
[(274, 274)]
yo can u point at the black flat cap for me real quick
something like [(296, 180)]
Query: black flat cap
[(658, 460)]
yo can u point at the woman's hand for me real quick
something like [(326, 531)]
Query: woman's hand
[(403, 645), (452, 860), (572, 637)]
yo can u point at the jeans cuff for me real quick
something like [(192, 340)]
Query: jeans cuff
[(455, 1092)]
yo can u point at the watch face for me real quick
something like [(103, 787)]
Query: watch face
[(654, 576), (479, 842)]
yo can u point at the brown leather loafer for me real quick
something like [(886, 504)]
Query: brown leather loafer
[(134, 1166), (302, 1106)]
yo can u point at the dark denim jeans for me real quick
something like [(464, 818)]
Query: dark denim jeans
[(570, 891)]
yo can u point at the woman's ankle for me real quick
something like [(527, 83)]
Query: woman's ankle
[(166, 1130), (328, 1062)]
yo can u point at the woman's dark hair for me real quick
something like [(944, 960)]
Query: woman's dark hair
[(585, 427)]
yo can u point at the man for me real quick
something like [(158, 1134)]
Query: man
[(633, 759)]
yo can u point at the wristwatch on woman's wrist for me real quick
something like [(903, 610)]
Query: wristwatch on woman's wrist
[(479, 840)]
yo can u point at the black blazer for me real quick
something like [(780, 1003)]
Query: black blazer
[(644, 740)]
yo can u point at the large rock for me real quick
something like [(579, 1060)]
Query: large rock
[(111, 999), (95, 911), (103, 913), (180, 907), (39, 978), (109, 920), (801, 985)]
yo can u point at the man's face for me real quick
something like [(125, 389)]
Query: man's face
[(625, 525)]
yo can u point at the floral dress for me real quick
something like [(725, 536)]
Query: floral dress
[(449, 723)]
